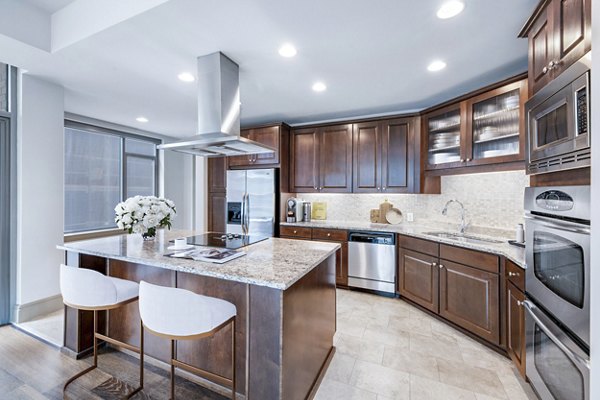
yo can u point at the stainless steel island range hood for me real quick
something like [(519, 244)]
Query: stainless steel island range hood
[(218, 113)]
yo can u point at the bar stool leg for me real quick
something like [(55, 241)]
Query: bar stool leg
[(172, 370), (95, 348), (141, 387)]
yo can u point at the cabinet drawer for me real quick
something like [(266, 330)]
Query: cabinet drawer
[(516, 275), (295, 232), (329, 234), (477, 259), (420, 245)]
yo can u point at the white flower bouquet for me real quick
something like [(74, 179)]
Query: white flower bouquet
[(144, 214)]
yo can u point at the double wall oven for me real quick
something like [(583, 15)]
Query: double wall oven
[(558, 291)]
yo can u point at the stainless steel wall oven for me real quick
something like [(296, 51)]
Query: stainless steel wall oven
[(558, 291)]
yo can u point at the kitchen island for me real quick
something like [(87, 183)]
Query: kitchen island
[(284, 291)]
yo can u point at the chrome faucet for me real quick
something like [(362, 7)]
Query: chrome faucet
[(463, 222)]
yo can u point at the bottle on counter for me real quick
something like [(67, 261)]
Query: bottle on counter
[(520, 234)]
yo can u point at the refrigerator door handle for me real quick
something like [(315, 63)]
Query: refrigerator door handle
[(247, 213), (243, 216)]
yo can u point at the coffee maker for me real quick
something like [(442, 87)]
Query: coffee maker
[(295, 210)]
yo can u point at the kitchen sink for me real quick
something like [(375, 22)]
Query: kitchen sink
[(462, 237)]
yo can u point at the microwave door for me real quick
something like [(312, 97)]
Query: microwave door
[(556, 366)]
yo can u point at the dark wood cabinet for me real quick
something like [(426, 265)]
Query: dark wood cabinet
[(460, 285), (275, 137), (418, 278), (328, 235), (217, 204), (469, 297), (515, 326), (321, 159), (383, 156), (217, 175), (559, 33), (482, 130)]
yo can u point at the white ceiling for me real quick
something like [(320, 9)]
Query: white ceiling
[(371, 54), (50, 6)]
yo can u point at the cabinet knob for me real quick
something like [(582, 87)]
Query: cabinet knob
[(551, 64), (329, 234), (378, 188), (468, 159), (295, 231), (441, 266), (519, 303), (545, 70), (513, 273), (384, 188), (462, 160), (434, 265)]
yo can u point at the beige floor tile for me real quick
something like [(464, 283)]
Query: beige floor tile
[(445, 348), (427, 389), (381, 380), (514, 385), (486, 358), (350, 327), (371, 319), (387, 337), (340, 368), (476, 379), (408, 361), (422, 326), (333, 390), (360, 349)]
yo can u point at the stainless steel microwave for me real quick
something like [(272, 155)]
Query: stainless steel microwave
[(558, 122)]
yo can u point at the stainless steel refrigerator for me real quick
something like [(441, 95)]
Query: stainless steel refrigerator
[(252, 202)]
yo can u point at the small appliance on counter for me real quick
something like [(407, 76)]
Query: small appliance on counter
[(295, 210)]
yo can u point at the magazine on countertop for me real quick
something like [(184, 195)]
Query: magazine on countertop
[(218, 256)]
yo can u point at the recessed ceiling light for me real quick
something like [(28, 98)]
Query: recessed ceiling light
[(450, 9), (141, 119), (319, 87), (287, 50), (186, 77), (436, 66)]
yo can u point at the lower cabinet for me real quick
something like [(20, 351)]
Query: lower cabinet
[(515, 315), (470, 298), (418, 278), (437, 278), (324, 235)]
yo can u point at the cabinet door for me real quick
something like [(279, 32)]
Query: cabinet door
[(270, 137), (217, 175), (469, 297), (335, 159), (304, 164), (572, 29), (541, 49), (217, 203), (515, 325), (341, 265), (242, 161), (418, 278), (367, 157), (445, 137), (396, 158)]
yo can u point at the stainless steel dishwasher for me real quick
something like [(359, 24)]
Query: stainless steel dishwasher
[(372, 261)]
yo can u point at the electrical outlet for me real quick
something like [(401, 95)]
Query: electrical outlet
[(410, 217)]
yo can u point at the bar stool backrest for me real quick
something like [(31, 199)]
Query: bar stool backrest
[(86, 288)]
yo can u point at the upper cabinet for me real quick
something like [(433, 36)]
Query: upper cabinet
[(275, 137), (559, 33), (321, 159), (383, 156), (483, 129)]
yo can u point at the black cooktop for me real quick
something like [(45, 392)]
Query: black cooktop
[(227, 240)]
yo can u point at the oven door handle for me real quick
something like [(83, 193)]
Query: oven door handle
[(530, 307), (558, 224)]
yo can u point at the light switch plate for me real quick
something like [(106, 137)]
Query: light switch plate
[(410, 217)]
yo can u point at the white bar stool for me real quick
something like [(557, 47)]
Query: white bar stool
[(86, 289), (179, 314)]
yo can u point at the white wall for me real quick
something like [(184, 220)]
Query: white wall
[(40, 192), (178, 178), (595, 242)]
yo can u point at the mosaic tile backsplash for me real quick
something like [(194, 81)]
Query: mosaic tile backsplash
[(492, 200)]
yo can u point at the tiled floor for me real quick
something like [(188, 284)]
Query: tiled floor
[(388, 349), (48, 327)]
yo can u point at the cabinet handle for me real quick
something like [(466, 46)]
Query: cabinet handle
[(519, 303), (441, 266), (434, 265), (545, 70), (513, 273), (551, 65)]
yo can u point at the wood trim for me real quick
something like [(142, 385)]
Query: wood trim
[(498, 167), (570, 177), (531, 20)]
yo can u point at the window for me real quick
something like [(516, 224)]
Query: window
[(102, 168), (4, 87)]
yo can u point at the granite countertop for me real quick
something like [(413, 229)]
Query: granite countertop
[(514, 253), (276, 263)]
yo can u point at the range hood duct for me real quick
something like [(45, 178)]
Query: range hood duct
[(218, 113)]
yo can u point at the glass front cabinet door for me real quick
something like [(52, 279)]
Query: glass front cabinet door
[(445, 133)]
